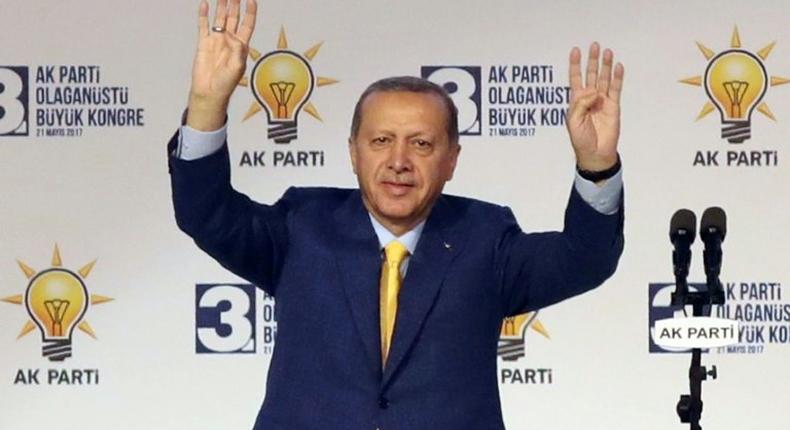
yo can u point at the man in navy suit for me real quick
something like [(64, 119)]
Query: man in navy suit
[(366, 339)]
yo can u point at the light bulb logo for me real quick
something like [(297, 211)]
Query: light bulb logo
[(56, 300), (736, 82), (282, 83), (513, 333)]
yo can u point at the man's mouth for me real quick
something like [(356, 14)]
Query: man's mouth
[(397, 188)]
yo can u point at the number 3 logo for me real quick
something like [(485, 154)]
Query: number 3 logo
[(462, 83), (225, 318), (13, 101)]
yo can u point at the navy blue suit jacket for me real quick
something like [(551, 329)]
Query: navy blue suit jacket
[(315, 250)]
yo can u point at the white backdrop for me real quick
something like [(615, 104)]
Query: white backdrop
[(102, 192)]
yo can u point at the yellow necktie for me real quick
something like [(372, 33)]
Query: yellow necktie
[(388, 294)]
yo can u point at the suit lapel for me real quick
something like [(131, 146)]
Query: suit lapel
[(439, 243), (359, 263)]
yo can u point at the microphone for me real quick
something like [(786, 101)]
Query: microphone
[(682, 232), (713, 229)]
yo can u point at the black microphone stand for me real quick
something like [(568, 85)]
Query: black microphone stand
[(689, 407)]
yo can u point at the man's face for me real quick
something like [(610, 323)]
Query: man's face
[(402, 156)]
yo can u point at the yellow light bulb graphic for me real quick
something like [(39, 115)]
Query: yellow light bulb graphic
[(736, 81), (282, 82), (512, 333), (513, 326), (56, 300)]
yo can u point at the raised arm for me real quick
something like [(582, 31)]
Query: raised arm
[(246, 237), (540, 269)]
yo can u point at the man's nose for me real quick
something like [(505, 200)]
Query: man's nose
[(400, 158)]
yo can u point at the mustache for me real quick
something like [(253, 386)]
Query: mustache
[(398, 180)]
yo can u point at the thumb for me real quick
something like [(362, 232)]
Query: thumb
[(581, 106)]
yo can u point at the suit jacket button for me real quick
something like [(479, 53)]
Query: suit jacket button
[(383, 402)]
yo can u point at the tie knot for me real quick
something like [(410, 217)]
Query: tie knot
[(395, 252)]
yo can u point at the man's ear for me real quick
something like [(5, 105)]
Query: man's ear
[(352, 151), (455, 151)]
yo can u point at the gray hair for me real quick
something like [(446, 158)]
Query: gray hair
[(414, 85)]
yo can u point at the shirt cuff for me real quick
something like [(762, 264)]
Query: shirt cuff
[(194, 144), (604, 198)]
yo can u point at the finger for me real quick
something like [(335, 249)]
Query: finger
[(233, 16), (579, 109), (605, 75), (592, 65), (221, 14), (203, 19), (575, 69), (248, 24), (617, 83)]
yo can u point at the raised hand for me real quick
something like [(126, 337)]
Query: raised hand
[(594, 112), (220, 61)]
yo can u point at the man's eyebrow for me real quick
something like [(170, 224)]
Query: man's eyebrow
[(417, 133), (384, 131)]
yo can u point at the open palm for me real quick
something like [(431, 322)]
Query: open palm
[(220, 61), (594, 112)]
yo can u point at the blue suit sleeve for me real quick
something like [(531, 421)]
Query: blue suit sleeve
[(247, 238), (539, 269)]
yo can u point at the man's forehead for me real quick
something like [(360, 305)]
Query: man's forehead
[(404, 106)]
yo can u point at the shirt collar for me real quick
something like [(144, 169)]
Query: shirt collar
[(408, 239)]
